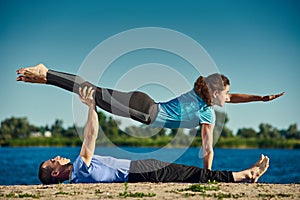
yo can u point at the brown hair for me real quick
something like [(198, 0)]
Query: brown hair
[(46, 177), (205, 86)]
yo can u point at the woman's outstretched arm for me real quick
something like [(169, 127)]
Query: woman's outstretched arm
[(245, 98)]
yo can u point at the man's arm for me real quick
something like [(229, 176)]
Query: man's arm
[(244, 98), (91, 127), (207, 145)]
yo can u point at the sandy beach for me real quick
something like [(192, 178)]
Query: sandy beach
[(152, 191)]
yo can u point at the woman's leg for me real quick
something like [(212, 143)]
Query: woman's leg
[(136, 105)]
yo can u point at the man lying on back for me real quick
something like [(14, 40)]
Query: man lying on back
[(90, 168)]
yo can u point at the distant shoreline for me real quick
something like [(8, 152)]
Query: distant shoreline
[(164, 141)]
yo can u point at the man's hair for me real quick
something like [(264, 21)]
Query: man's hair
[(45, 175)]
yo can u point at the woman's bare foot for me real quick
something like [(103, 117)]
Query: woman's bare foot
[(252, 174), (36, 74)]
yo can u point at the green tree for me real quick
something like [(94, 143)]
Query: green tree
[(57, 128), (112, 129), (145, 132), (180, 138), (246, 133), (102, 121), (221, 130), (161, 133), (43, 129), (173, 132), (292, 132), (226, 132), (70, 132), (16, 128), (266, 131)]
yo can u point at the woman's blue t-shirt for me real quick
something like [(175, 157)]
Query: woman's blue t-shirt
[(103, 169), (186, 111)]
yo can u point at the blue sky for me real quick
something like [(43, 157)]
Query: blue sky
[(255, 43)]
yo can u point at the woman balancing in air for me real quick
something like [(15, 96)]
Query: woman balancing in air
[(189, 110)]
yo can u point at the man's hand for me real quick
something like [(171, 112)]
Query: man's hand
[(272, 97), (86, 96), (92, 126)]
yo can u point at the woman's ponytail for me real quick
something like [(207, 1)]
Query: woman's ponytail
[(202, 90)]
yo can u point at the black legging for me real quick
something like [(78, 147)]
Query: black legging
[(136, 105), (152, 170)]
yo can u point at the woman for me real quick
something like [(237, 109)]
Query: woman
[(186, 111)]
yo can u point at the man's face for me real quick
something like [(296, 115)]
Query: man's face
[(56, 163)]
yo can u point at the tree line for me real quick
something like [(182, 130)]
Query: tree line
[(17, 131)]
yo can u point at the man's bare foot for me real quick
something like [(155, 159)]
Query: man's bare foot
[(252, 174), (36, 74)]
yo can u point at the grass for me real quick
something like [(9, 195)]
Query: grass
[(98, 191), (61, 192), (201, 189), (22, 195), (269, 196), (210, 186), (126, 194)]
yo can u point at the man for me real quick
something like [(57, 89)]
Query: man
[(90, 168)]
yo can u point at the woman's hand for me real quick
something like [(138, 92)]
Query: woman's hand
[(272, 97)]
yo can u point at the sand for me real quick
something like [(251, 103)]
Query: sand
[(152, 191)]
